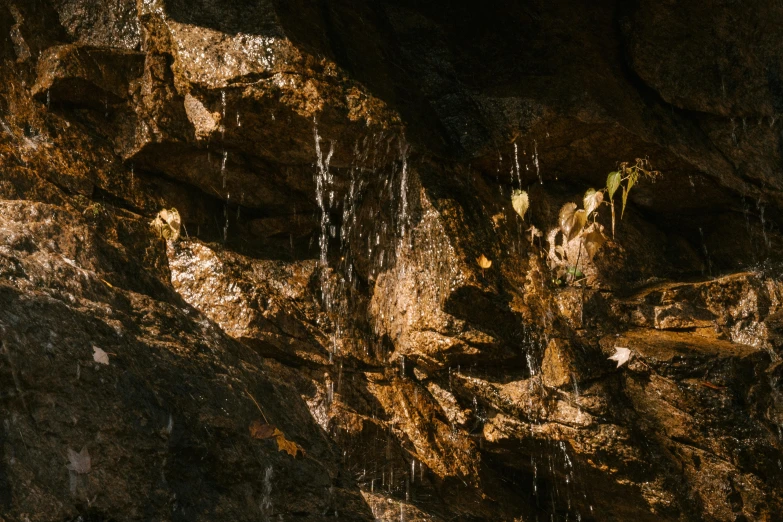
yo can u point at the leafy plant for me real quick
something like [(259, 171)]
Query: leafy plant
[(577, 229), (577, 232), (630, 175), (94, 210), (167, 224)]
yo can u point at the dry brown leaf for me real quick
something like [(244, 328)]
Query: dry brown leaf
[(566, 217), (259, 430), (79, 462), (571, 220), (483, 262), (100, 356), (262, 431), (594, 240), (579, 222)]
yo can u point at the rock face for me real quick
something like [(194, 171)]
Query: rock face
[(320, 340)]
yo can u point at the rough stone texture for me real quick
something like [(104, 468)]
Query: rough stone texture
[(339, 168)]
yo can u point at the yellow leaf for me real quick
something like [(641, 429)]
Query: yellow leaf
[(483, 262), (571, 220), (593, 240), (283, 444), (262, 431)]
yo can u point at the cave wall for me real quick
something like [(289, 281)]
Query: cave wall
[(339, 167)]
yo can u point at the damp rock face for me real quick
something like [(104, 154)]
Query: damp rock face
[(352, 320)]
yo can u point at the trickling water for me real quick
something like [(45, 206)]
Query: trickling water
[(760, 207), (403, 187), (266, 499), (706, 253), (223, 167), (223, 103), (225, 226), (536, 163), (322, 180), (323, 183)]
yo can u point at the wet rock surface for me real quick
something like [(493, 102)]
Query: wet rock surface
[(339, 170)]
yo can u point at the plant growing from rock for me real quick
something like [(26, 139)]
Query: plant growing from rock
[(630, 175), (578, 234), (167, 224)]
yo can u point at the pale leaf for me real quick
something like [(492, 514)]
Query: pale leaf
[(534, 232), (579, 222), (483, 262), (592, 200), (621, 355), (572, 221), (520, 202), (100, 356), (167, 223), (613, 183), (566, 218), (551, 238), (79, 462)]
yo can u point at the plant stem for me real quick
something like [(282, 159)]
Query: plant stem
[(578, 256), (612, 204)]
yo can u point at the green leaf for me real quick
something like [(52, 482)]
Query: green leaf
[(520, 202), (625, 198), (633, 177), (573, 271), (613, 183)]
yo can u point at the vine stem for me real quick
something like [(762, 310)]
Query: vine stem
[(257, 405)]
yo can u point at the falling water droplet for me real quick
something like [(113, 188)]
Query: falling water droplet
[(536, 163)]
